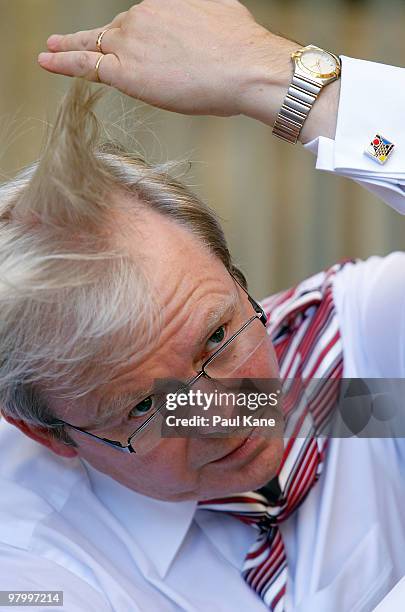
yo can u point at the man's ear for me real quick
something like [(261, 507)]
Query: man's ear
[(43, 436)]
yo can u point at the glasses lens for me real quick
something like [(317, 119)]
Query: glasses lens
[(244, 349), (146, 438)]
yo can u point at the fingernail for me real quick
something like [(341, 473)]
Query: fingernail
[(43, 57)]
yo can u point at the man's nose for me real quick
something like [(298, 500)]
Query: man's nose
[(215, 396)]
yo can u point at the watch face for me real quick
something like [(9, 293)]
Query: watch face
[(319, 62)]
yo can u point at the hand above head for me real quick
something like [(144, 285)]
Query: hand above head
[(195, 57), (187, 56)]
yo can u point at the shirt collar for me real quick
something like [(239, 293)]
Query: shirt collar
[(158, 527)]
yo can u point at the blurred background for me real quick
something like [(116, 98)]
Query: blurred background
[(280, 229)]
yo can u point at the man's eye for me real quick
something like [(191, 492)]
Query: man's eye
[(142, 408), (216, 339)]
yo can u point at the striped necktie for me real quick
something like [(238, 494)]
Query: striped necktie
[(305, 334)]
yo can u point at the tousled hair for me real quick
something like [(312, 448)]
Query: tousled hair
[(70, 294)]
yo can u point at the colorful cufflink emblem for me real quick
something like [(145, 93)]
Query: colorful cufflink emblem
[(380, 148)]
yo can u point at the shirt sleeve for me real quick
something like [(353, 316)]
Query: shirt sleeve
[(370, 303), (20, 570), (372, 101)]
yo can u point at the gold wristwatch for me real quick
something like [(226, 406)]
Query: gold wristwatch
[(313, 69)]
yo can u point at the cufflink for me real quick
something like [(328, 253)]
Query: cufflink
[(379, 149)]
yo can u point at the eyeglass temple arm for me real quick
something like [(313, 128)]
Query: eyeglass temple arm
[(114, 443), (256, 305)]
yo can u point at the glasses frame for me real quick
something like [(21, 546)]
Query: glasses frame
[(129, 448)]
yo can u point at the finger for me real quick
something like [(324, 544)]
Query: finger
[(118, 20), (83, 41), (82, 64), (86, 38)]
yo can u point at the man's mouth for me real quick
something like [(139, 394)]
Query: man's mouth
[(243, 449)]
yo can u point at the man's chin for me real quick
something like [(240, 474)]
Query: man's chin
[(251, 476)]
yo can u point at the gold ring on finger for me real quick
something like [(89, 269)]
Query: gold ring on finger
[(97, 66), (99, 40)]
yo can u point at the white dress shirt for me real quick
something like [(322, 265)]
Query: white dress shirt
[(394, 602), (65, 526)]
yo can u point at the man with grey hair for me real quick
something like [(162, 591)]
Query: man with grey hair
[(115, 276)]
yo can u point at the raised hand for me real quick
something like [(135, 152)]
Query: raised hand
[(187, 56)]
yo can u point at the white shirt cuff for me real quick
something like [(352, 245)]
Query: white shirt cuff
[(372, 99)]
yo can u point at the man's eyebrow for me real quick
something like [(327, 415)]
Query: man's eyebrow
[(109, 407), (217, 314)]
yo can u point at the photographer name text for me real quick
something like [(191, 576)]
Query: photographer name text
[(216, 420)]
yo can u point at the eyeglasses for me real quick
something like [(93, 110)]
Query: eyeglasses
[(221, 364)]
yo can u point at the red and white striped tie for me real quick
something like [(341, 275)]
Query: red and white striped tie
[(265, 566), (305, 334)]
